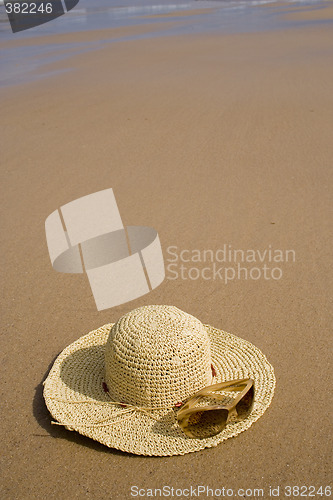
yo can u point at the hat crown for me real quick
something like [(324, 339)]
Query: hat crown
[(156, 356)]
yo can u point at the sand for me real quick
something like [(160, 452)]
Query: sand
[(182, 13), (211, 140), (321, 11), (82, 37), (320, 14)]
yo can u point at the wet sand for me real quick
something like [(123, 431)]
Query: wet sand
[(325, 13), (184, 13), (321, 11), (86, 36), (211, 140)]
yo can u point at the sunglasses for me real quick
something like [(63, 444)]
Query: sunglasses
[(201, 422)]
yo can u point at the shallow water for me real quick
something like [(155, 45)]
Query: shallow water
[(20, 63)]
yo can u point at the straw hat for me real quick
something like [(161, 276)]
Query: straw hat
[(118, 384)]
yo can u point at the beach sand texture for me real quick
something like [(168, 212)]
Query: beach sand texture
[(211, 140)]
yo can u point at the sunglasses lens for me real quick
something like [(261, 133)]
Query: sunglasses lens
[(244, 407), (204, 424)]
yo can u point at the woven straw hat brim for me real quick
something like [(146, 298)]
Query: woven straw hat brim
[(74, 395)]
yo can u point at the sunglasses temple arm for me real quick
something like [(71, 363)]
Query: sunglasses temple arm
[(192, 402)]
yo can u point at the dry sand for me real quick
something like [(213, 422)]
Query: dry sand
[(212, 140)]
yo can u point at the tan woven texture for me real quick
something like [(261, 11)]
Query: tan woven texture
[(152, 358)]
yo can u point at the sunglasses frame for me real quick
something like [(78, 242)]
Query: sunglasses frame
[(187, 409)]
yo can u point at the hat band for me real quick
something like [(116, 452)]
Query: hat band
[(126, 409)]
